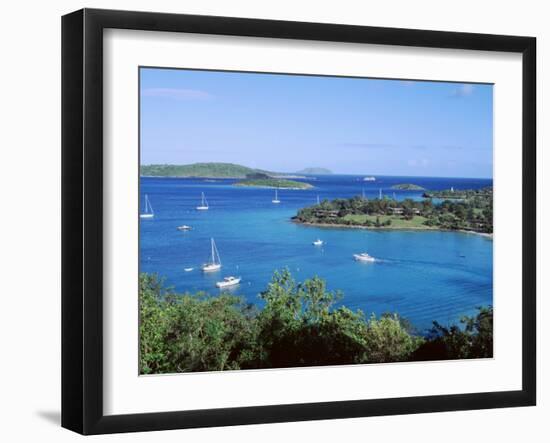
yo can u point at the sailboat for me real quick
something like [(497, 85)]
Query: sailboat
[(148, 209), (318, 201), (204, 203), (380, 193), (276, 199), (215, 263)]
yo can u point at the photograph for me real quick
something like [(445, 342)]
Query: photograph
[(300, 220)]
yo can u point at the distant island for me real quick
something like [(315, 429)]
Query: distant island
[(269, 182), (203, 170), (221, 170), (473, 213), (408, 187), (315, 171)]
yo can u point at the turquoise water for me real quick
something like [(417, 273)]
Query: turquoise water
[(424, 276)]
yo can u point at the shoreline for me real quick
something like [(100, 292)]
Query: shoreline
[(274, 187), (386, 228), (278, 177)]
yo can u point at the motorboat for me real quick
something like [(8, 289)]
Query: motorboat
[(363, 257), (228, 281)]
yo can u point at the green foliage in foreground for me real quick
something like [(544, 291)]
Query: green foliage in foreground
[(298, 326), (274, 183)]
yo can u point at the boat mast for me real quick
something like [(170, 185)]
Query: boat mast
[(212, 247), (215, 254), (148, 205)]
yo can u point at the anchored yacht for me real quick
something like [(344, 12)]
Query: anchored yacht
[(228, 281)]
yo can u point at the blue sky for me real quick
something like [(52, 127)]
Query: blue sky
[(285, 123)]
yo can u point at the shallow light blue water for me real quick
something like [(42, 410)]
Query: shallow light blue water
[(424, 276)]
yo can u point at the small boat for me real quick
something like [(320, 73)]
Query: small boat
[(276, 199), (184, 228), (215, 263), (188, 269), (318, 200), (204, 203), (228, 281), (363, 257), (318, 242), (148, 213), (369, 179)]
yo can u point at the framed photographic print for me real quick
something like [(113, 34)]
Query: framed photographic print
[(269, 221)]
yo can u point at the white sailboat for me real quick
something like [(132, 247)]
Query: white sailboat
[(276, 199), (380, 193), (215, 263), (228, 281), (148, 210), (318, 201), (204, 203)]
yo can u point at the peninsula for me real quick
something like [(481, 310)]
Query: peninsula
[(472, 214), (460, 193)]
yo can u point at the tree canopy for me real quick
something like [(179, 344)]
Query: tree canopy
[(300, 324)]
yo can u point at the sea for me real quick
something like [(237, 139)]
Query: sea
[(424, 276)]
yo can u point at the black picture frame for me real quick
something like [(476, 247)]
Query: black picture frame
[(82, 218)]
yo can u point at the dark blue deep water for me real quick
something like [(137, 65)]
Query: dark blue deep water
[(424, 276)]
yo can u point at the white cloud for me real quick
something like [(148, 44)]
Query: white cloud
[(463, 90), (177, 94), (418, 163)]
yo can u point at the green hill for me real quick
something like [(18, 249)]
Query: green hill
[(314, 171), (206, 170)]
